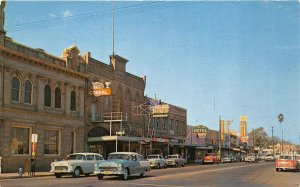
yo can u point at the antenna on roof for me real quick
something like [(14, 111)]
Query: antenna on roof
[(113, 27)]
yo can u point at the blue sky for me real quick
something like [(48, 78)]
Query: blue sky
[(213, 58)]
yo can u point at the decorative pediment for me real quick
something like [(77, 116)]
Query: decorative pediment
[(72, 57)]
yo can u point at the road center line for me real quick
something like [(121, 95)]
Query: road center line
[(202, 171)]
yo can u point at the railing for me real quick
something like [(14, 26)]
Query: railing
[(112, 117)]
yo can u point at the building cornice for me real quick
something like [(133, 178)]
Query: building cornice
[(43, 63)]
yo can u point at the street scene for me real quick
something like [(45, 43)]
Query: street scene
[(149, 93), (237, 174)]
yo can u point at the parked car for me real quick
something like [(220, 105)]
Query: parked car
[(297, 157), (226, 159), (238, 158), (176, 160), (157, 161), (269, 158), (211, 158), (76, 164), (287, 162), (251, 158), (122, 164)]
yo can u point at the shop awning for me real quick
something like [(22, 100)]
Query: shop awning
[(205, 148), (118, 138)]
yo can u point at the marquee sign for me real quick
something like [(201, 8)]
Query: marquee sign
[(98, 89)]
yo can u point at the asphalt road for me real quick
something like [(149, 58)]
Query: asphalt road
[(231, 175)]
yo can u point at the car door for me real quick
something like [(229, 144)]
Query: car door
[(144, 164), (90, 163), (135, 164)]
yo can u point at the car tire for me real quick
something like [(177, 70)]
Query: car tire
[(176, 165), (76, 172), (182, 165), (57, 175), (158, 166), (100, 176), (87, 174), (142, 174), (125, 174), (277, 169)]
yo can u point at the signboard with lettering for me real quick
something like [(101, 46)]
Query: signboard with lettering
[(222, 129), (201, 131), (98, 89), (243, 128), (160, 110)]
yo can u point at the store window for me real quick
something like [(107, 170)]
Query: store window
[(19, 141), (28, 92), (73, 101), (47, 96), (57, 98), (51, 142), (15, 92)]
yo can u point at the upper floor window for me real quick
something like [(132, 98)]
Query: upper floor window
[(28, 92), (73, 101), (57, 98), (47, 96), (15, 91)]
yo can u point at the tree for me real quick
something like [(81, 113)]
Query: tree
[(261, 138), (280, 118)]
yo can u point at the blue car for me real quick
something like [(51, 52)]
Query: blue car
[(122, 164)]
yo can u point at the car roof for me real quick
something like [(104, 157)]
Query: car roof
[(84, 154), (124, 153)]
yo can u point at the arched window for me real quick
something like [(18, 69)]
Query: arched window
[(57, 97), (28, 92), (15, 89), (73, 101), (47, 96)]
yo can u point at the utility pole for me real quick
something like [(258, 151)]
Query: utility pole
[(273, 140), (253, 139), (220, 138)]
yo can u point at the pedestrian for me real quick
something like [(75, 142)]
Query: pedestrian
[(32, 168)]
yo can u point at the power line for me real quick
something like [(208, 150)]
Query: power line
[(95, 16)]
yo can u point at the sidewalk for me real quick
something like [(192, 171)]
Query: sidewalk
[(25, 175)]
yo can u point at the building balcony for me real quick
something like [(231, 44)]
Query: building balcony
[(110, 117)]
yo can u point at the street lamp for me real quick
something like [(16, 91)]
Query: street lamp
[(34, 139)]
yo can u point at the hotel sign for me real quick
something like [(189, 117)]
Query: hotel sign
[(201, 131), (160, 110)]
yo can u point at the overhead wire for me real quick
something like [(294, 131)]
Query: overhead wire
[(95, 16)]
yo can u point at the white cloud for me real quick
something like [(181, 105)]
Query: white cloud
[(67, 13), (52, 15)]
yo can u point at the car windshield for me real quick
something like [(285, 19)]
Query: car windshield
[(285, 157), (172, 156), (152, 156), (75, 157), (118, 156)]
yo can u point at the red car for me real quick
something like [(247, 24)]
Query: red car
[(286, 162), (211, 158)]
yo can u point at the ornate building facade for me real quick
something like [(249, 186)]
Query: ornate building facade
[(54, 97)]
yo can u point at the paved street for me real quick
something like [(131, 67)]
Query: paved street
[(237, 174)]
